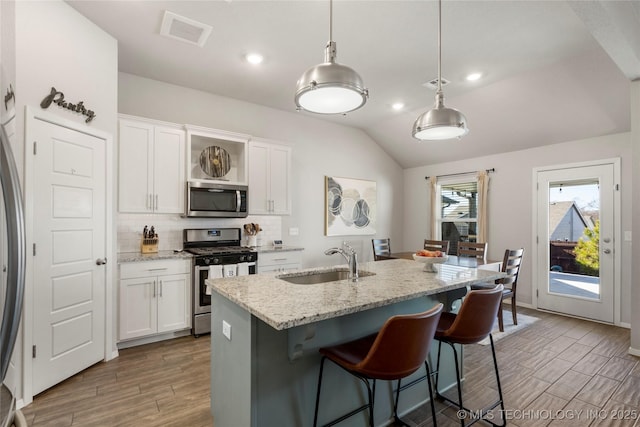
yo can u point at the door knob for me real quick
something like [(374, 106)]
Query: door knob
[(607, 251), (101, 261), (606, 240)]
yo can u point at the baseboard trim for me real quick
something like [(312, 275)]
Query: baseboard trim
[(634, 351), (153, 338)]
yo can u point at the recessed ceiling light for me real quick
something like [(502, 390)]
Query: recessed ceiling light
[(254, 58), (397, 106), (474, 76)]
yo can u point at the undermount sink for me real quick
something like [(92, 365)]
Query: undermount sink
[(311, 278)]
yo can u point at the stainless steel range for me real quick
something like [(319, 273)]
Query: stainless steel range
[(218, 253)]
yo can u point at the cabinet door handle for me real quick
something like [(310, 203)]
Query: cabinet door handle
[(154, 288), (161, 288), (156, 205)]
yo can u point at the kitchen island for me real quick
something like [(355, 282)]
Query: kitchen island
[(266, 333)]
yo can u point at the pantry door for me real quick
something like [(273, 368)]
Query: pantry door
[(577, 223), (68, 169)]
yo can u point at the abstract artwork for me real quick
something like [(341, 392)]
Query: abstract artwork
[(350, 206)]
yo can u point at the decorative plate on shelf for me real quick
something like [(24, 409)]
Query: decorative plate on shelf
[(215, 161)]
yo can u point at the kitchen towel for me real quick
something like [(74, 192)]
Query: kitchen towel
[(230, 270), (243, 268), (215, 272)]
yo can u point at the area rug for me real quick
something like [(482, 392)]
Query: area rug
[(524, 321)]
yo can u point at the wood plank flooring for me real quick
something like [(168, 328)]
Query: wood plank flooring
[(557, 372)]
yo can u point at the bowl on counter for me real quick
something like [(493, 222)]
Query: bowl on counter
[(430, 262)]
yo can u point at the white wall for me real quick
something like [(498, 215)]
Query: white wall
[(58, 47), (319, 149), (635, 164), (511, 201)]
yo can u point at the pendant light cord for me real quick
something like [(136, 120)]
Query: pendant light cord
[(330, 20), (439, 45)]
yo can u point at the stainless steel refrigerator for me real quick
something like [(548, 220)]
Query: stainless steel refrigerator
[(12, 248)]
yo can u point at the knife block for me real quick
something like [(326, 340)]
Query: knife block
[(149, 246)]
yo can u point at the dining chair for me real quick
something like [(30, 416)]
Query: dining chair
[(511, 264), (470, 249), (437, 245), (398, 350), (381, 249), (472, 324)]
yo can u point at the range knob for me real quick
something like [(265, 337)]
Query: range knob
[(249, 257), (243, 258), (216, 261), (207, 261)]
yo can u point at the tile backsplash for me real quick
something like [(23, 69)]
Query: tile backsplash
[(169, 229)]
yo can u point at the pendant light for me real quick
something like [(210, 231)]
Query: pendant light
[(330, 88), (440, 122)]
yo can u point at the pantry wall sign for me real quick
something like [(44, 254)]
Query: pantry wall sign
[(57, 97)]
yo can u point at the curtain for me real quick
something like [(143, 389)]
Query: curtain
[(483, 203), (433, 183)]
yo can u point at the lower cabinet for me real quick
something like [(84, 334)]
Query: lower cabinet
[(155, 297), (279, 261)]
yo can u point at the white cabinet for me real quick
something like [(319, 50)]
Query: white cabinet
[(151, 167), (279, 261), (269, 178), (155, 297)]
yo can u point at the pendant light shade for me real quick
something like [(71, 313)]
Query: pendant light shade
[(440, 122), (330, 88)]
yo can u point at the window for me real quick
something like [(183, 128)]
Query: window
[(457, 213)]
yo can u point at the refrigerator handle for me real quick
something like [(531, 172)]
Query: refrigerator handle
[(16, 253)]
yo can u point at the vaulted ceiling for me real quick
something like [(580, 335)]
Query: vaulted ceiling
[(553, 71)]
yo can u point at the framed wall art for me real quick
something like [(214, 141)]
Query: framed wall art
[(350, 206)]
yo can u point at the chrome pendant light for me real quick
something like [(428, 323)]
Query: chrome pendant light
[(330, 88), (440, 122)]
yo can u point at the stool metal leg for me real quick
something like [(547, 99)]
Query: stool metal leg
[(459, 403), (315, 414), (417, 380), (371, 391)]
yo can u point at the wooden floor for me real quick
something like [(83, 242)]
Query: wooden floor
[(161, 384), (558, 371)]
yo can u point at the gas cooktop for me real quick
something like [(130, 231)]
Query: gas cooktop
[(220, 250)]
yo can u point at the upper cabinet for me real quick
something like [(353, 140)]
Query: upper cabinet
[(269, 177), (216, 155), (151, 166)]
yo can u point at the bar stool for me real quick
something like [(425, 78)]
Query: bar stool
[(472, 324), (395, 352)]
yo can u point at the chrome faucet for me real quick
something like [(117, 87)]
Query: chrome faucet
[(350, 255)]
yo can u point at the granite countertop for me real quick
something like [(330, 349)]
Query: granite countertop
[(160, 255), (284, 305), (268, 248)]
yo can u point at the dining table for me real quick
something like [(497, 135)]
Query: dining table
[(451, 299), (461, 261)]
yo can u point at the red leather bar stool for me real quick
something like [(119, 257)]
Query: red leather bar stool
[(398, 350), (472, 324)]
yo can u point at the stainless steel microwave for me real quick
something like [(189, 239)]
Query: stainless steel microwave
[(216, 200)]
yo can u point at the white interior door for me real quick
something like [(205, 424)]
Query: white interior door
[(69, 206), (576, 235)]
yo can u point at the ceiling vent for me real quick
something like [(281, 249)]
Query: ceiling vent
[(433, 84), (184, 29)]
